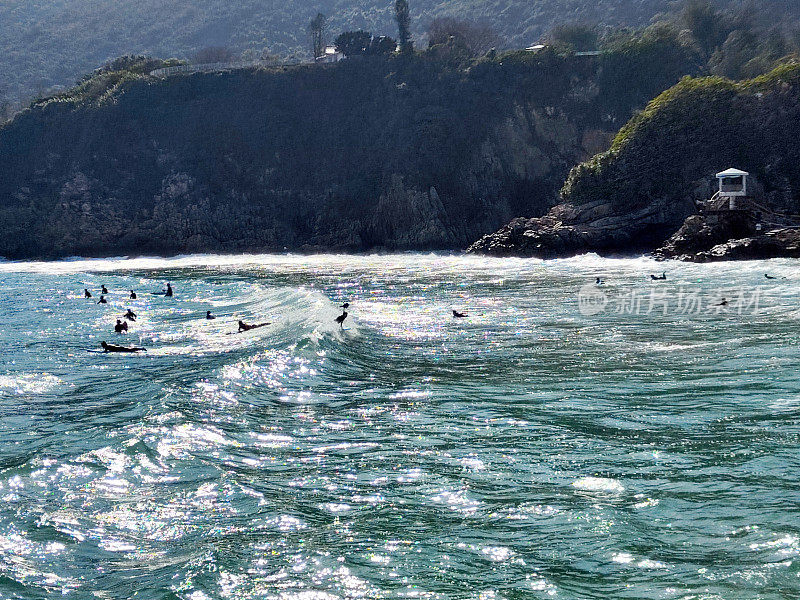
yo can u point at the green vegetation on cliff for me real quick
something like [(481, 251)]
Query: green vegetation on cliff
[(407, 152), (671, 150)]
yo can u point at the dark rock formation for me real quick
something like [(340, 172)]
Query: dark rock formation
[(780, 243), (700, 233), (593, 227)]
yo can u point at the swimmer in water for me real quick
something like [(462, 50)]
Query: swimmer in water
[(112, 348), (121, 327), (133, 295), (168, 291), (598, 281), (103, 289), (102, 300), (723, 302), (245, 327), (459, 315), (130, 315), (87, 293), (209, 316), (662, 277)]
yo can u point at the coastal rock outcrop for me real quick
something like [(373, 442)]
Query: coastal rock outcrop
[(594, 227), (779, 243)]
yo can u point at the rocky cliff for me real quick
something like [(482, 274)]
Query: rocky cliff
[(639, 193), (372, 153)]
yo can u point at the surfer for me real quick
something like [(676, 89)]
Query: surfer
[(121, 327), (459, 315), (87, 293), (130, 315), (103, 289), (168, 291), (102, 300), (723, 302), (340, 319), (113, 348), (245, 327), (662, 277), (209, 316), (598, 281), (768, 276), (133, 295)]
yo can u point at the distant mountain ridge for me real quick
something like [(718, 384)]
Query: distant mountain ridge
[(53, 42)]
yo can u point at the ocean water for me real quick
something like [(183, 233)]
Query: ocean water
[(634, 439)]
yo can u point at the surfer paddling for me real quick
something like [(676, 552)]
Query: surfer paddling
[(114, 348), (245, 327)]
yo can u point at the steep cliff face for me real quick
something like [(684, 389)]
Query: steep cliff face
[(639, 193), (391, 153)]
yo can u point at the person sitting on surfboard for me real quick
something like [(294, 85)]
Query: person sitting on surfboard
[(87, 293), (209, 316), (102, 300), (245, 327), (112, 348), (168, 291), (120, 327), (133, 295)]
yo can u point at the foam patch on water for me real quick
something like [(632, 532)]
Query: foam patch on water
[(598, 484), (28, 383)]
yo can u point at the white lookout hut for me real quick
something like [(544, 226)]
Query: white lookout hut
[(733, 186)]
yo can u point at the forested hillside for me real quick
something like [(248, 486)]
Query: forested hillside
[(53, 42)]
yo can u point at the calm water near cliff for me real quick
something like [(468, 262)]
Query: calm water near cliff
[(629, 440)]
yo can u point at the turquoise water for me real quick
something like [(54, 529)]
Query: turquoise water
[(530, 450)]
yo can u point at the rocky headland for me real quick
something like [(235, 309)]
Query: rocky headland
[(642, 194)]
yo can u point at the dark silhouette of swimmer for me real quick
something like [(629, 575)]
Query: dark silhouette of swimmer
[(598, 281), (340, 319), (459, 315), (102, 300), (768, 276), (130, 315), (133, 295), (662, 277), (723, 302), (87, 293), (103, 289), (120, 327), (245, 327), (168, 291), (210, 316), (113, 348)]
